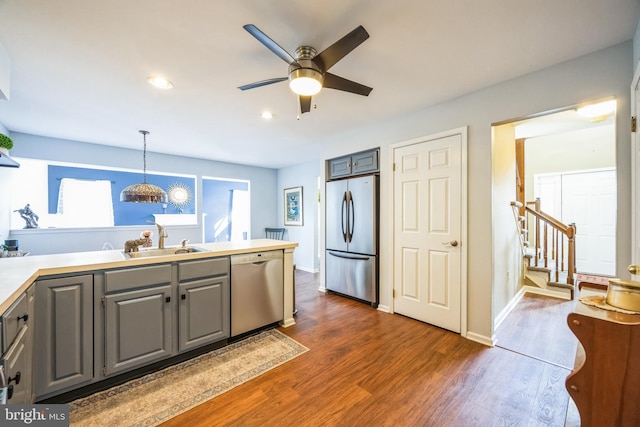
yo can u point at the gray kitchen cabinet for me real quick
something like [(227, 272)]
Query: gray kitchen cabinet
[(16, 367), (63, 333), (17, 349), (203, 311), (354, 164), (13, 320), (137, 317)]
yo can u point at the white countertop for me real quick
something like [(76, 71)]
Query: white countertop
[(18, 273)]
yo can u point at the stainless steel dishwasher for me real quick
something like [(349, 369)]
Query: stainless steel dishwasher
[(257, 294)]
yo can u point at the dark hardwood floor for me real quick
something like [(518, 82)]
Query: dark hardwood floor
[(369, 368)]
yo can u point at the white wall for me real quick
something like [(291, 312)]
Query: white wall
[(636, 47), (305, 257), (507, 255), (6, 176), (595, 76)]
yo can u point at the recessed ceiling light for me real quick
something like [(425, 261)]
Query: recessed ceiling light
[(267, 115), (159, 82)]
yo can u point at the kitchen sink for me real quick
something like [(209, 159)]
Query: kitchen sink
[(148, 253)]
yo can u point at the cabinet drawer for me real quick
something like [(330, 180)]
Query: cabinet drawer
[(138, 277), (13, 320), (190, 270)]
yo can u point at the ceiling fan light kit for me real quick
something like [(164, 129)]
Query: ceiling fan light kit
[(305, 81), (308, 71)]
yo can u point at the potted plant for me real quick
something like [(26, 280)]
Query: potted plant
[(6, 143)]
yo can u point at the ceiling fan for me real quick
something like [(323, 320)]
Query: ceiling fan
[(308, 70)]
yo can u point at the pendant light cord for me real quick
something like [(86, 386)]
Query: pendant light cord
[(144, 156)]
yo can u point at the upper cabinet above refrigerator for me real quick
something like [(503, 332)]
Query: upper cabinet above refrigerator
[(354, 164)]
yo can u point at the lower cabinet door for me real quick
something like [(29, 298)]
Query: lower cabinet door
[(203, 312), (63, 333), (15, 363), (137, 328)]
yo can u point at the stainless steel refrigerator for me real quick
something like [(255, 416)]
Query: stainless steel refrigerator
[(352, 237)]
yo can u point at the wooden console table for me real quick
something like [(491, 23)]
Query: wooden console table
[(605, 383)]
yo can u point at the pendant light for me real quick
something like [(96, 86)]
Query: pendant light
[(144, 193)]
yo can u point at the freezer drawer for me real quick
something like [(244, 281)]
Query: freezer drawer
[(353, 275)]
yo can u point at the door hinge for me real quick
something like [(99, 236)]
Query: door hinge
[(633, 123), (394, 166), (103, 302), (393, 293)]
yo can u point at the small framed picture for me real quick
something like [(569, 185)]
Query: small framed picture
[(293, 206)]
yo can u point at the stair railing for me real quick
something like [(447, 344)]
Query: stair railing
[(551, 237)]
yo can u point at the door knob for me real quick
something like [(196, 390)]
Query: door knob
[(453, 243), (634, 269)]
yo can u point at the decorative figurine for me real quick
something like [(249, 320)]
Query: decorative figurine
[(146, 235), (29, 216)]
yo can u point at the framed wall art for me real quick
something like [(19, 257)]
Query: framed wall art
[(293, 206)]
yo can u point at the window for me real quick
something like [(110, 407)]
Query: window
[(226, 208), (72, 196), (84, 203)]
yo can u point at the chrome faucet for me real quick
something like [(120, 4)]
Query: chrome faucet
[(162, 234)]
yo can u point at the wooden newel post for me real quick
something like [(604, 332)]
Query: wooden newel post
[(571, 256)]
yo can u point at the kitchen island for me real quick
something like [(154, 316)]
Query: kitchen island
[(18, 273), (89, 317)]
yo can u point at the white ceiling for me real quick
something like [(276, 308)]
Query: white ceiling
[(78, 67)]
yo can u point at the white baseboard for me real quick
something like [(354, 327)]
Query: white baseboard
[(510, 306), (307, 269), (488, 341), (384, 308)]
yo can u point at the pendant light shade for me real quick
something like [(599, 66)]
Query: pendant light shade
[(144, 193)]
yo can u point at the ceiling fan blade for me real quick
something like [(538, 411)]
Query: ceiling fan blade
[(334, 53), (263, 83), (332, 81), (305, 104), (270, 44)]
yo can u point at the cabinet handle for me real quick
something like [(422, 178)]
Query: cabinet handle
[(16, 378), (167, 299), (183, 296), (25, 317)]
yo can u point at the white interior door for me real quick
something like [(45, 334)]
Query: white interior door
[(589, 200), (427, 231)]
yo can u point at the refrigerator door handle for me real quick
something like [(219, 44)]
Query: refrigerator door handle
[(344, 216), (352, 216), (356, 257)]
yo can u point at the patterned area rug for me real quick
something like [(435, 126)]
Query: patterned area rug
[(157, 397)]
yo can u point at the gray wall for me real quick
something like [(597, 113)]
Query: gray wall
[(5, 208), (591, 77), (305, 257), (263, 184)]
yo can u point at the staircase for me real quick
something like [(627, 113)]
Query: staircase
[(549, 254)]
